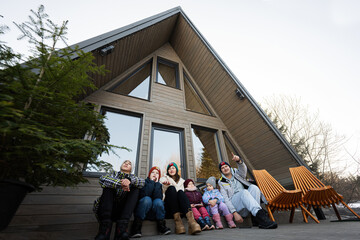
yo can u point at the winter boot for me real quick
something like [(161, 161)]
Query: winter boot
[(208, 222), (121, 230), (217, 220), (179, 226), (202, 224), (136, 228), (254, 221), (264, 221), (229, 219), (193, 226), (104, 230), (161, 226)]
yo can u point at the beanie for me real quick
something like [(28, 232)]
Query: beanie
[(172, 164), (187, 181), (212, 181), (152, 169), (222, 164)]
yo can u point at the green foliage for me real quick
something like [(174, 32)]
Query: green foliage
[(208, 167), (42, 126)]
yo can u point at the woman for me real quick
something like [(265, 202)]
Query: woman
[(117, 202), (176, 201)]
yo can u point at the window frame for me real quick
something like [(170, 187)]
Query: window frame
[(170, 64)]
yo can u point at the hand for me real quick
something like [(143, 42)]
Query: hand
[(125, 184), (235, 158), (192, 205), (166, 183), (237, 217), (212, 202)]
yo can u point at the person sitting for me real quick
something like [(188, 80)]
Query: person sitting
[(176, 201), (242, 197), (197, 206), (150, 205), (117, 202), (213, 198)]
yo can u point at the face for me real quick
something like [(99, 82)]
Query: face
[(190, 185), (225, 169), (154, 175), (172, 171), (126, 167), (209, 187)]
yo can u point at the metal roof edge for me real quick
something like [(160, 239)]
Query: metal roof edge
[(246, 93)]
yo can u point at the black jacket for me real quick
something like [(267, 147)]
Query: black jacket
[(151, 189)]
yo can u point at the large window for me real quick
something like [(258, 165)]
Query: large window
[(137, 84), (206, 152), (167, 73), (167, 146), (124, 129)]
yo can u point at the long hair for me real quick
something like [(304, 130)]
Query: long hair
[(176, 177)]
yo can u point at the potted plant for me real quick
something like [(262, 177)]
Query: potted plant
[(42, 121)]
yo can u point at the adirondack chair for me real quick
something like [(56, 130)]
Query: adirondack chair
[(315, 193), (280, 199)]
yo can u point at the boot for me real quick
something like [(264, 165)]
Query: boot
[(264, 221), (121, 230), (179, 226), (193, 226), (136, 228), (229, 219), (208, 222), (254, 221), (217, 220), (104, 230), (202, 224), (162, 228)]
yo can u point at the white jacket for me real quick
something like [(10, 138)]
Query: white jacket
[(178, 186)]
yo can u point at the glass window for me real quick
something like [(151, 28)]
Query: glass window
[(124, 129), (137, 84), (167, 73), (193, 100), (167, 147), (205, 142)]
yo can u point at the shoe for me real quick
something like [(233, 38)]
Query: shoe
[(121, 230), (254, 221), (104, 230), (136, 228), (179, 226), (208, 222), (230, 221), (202, 224), (193, 226), (162, 228), (264, 221), (217, 220)]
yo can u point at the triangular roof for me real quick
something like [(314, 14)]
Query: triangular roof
[(261, 142)]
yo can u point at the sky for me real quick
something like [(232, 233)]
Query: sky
[(304, 48)]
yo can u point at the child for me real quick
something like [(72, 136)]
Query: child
[(215, 200), (150, 205), (197, 206)]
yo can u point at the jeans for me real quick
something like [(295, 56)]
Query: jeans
[(247, 201), (151, 208)]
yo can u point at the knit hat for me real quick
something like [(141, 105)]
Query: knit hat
[(172, 164), (222, 164), (187, 181), (212, 181), (154, 168)]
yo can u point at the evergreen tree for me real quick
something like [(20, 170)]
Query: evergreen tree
[(208, 166)]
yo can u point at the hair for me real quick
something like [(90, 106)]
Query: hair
[(176, 177), (130, 164)]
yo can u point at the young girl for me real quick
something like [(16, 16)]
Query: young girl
[(176, 201), (195, 198), (215, 200)]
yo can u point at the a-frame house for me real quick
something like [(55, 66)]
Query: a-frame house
[(168, 97)]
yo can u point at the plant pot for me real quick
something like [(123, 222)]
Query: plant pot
[(12, 193)]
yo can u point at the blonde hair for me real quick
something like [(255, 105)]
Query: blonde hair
[(130, 164)]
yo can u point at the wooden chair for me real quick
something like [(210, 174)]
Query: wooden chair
[(280, 199), (315, 193)]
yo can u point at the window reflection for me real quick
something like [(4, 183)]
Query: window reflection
[(205, 144), (124, 131), (166, 148), (136, 84), (167, 73), (192, 99)]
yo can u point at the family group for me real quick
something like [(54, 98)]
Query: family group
[(157, 198)]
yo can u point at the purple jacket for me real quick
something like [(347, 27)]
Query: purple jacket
[(194, 197), (208, 195)]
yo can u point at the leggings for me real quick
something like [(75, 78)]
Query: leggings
[(176, 201)]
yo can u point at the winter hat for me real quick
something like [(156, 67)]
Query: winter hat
[(172, 164), (212, 181), (152, 169), (187, 181), (222, 164)]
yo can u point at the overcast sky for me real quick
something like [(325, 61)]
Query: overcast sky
[(306, 48)]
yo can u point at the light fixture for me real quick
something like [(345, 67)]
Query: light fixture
[(106, 50), (239, 94)]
